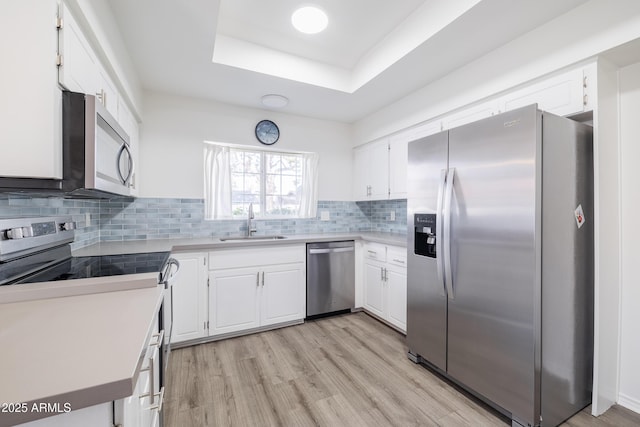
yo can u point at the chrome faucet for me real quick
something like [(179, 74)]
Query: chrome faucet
[(250, 229)]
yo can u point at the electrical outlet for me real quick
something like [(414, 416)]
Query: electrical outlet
[(87, 219), (392, 216), (324, 216)]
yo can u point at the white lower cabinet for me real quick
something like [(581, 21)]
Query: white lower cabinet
[(374, 290), (142, 408), (98, 415), (233, 300), (385, 283), (396, 281), (253, 297), (241, 289), (190, 297)]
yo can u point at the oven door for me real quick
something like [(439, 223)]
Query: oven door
[(167, 278)]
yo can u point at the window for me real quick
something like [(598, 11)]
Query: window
[(278, 184)]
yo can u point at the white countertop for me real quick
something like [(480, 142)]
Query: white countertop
[(214, 243), (78, 349)]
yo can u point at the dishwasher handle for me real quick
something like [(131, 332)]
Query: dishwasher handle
[(330, 250)]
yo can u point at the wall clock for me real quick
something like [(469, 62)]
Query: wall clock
[(267, 132)]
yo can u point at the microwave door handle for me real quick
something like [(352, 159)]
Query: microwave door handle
[(118, 157), (131, 165)]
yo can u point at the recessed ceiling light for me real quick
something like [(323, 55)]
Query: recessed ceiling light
[(274, 101), (309, 20)]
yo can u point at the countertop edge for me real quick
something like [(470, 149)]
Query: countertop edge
[(196, 244)]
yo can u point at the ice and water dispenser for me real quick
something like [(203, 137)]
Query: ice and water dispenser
[(425, 234)]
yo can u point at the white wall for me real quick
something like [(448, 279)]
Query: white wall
[(174, 128), (569, 39), (629, 393)]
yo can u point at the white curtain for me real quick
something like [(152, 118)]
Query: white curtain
[(309, 193), (217, 181)]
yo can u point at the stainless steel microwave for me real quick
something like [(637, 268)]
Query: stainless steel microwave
[(97, 159)]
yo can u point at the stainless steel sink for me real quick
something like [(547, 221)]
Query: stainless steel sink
[(240, 238)]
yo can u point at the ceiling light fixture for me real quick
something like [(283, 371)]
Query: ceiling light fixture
[(309, 20), (275, 101)]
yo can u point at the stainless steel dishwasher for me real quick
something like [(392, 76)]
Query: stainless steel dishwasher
[(330, 277)]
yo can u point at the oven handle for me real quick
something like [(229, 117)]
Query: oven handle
[(167, 275)]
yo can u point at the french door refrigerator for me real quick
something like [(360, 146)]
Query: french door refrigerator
[(500, 262)]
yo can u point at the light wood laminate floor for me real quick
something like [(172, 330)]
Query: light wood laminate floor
[(348, 370)]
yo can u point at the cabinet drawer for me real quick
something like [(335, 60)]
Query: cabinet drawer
[(375, 251), (256, 256), (397, 256)]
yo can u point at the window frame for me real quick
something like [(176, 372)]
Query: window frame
[(262, 196)]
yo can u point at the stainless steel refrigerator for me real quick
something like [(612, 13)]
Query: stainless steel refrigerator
[(500, 262)]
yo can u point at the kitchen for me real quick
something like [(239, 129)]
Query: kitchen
[(596, 39)]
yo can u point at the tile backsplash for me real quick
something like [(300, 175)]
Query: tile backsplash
[(12, 205), (162, 218)]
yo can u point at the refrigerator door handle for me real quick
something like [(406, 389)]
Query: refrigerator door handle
[(439, 232), (448, 196)]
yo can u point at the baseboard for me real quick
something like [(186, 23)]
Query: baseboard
[(629, 402), (381, 320), (219, 337)]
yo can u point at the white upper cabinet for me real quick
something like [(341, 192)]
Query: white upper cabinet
[(398, 158), (379, 170), (371, 171), (48, 52), (31, 104), (563, 94), (78, 70)]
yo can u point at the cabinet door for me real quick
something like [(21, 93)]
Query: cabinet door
[(374, 292), (78, 69), (561, 95), (31, 103), (397, 296), (398, 161), (190, 298), (379, 170), (233, 300), (283, 294), (95, 416), (361, 165)]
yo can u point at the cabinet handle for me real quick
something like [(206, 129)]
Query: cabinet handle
[(160, 339), (160, 396), (386, 275), (258, 279), (399, 261), (263, 279), (102, 97), (382, 274), (150, 394)]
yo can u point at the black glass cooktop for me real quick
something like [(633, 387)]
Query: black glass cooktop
[(100, 266)]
